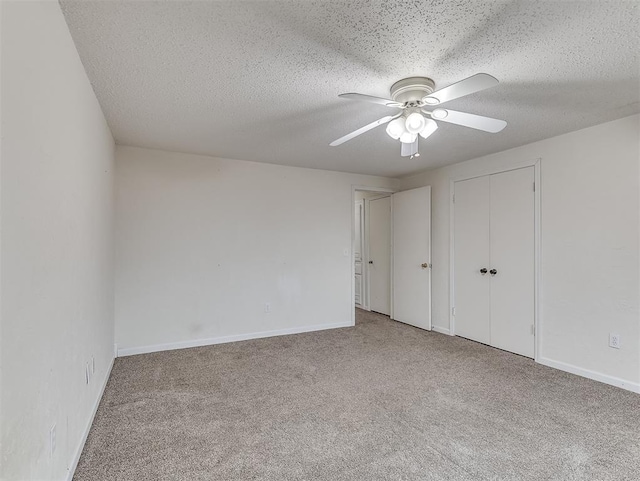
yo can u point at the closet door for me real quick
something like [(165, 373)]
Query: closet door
[(471, 254), (512, 257)]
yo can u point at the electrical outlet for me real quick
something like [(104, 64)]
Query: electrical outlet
[(52, 440), (267, 308), (614, 340)]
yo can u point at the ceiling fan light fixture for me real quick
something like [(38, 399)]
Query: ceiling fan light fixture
[(396, 128), (408, 138), (410, 96), (429, 128), (439, 114), (415, 123), (409, 149)]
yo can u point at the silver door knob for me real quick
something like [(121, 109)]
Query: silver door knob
[(483, 271), (493, 272), (425, 265)]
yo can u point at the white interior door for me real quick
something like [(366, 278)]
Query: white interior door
[(512, 258), (412, 257), (472, 288), (380, 255)]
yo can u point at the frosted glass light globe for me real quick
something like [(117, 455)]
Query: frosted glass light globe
[(429, 128), (415, 123), (408, 138), (395, 128)]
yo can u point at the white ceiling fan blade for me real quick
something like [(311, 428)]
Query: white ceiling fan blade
[(370, 98), (364, 129), (470, 85), (473, 121)]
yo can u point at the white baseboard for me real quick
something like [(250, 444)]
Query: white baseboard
[(76, 455), (441, 330), (596, 376), (130, 351)]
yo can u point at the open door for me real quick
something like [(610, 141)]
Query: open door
[(412, 257), (380, 255)]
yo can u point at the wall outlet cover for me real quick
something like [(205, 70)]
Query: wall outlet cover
[(614, 340)]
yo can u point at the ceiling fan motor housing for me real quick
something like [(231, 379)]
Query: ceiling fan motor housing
[(412, 90)]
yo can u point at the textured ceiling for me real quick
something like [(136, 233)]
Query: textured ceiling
[(259, 80)]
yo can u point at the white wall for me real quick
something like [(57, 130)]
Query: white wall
[(56, 244), (202, 244), (590, 245)]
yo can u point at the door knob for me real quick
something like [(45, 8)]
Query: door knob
[(493, 272), (483, 271), (370, 262), (425, 265)]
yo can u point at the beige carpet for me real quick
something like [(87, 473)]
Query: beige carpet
[(378, 401)]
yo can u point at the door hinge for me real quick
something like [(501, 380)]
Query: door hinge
[(453, 311)]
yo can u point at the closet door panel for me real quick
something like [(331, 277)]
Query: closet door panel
[(512, 256), (471, 253)]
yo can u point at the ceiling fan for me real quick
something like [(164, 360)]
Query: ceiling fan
[(414, 96)]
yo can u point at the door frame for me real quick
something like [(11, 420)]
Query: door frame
[(365, 259), (536, 164), (363, 298)]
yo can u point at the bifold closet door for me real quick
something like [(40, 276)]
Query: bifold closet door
[(512, 257), (471, 255)]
